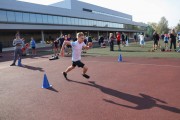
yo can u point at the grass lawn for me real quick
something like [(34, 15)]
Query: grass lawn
[(133, 50)]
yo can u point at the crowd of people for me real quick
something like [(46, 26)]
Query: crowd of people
[(58, 42), (122, 39), (169, 40)]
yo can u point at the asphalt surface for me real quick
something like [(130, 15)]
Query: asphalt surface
[(136, 89)]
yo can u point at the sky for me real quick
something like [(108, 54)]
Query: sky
[(142, 10)]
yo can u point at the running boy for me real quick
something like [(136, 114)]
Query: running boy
[(77, 47)]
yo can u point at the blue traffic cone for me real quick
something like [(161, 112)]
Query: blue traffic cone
[(120, 58), (45, 82), (19, 63)]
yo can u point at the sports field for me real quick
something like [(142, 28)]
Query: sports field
[(145, 86)]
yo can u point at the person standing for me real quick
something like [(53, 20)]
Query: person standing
[(173, 39), (127, 40), (178, 37), (142, 41), (135, 38), (166, 40), (123, 39), (56, 43), (118, 38), (61, 40), (33, 46), (1, 46), (77, 47), (18, 49), (111, 41), (155, 38)]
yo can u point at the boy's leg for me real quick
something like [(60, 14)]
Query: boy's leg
[(85, 69), (68, 70), (84, 72)]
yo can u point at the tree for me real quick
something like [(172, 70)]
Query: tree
[(149, 31), (177, 28), (162, 26), (153, 25)]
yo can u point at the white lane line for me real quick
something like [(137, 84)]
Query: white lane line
[(137, 64)]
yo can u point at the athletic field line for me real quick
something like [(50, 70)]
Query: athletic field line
[(137, 64)]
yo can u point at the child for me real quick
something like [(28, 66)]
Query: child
[(56, 42), (1, 49), (33, 46), (141, 38), (76, 54), (178, 41), (166, 40)]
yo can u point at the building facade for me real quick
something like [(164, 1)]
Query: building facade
[(66, 17)]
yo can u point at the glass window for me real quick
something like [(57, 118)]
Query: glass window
[(45, 18), (94, 23), (115, 25), (25, 17), (50, 19), (60, 19), (121, 26), (110, 24), (19, 17), (86, 22), (68, 21), (106, 24), (83, 22), (76, 21), (55, 19), (39, 18), (91, 22), (3, 15), (11, 16), (99, 23), (33, 18), (80, 21), (64, 20), (73, 21)]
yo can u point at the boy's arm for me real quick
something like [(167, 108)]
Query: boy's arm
[(88, 46), (63, 46)]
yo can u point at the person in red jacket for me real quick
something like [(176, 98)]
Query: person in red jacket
[(118, 38)]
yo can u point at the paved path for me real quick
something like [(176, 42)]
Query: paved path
[(137, 89)]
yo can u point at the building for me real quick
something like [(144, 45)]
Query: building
[(66, 17)]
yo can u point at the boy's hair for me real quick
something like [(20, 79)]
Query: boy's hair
[(80, 34)]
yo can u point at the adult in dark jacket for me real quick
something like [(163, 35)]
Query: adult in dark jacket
[(173, 39)]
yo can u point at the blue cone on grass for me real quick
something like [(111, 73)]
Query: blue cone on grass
[(19, 63), (120, 58), (46, 82)]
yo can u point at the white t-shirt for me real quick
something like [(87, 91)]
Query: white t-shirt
[(76, 50), (141, 37)]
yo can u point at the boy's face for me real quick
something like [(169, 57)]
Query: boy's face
[(81, 39)]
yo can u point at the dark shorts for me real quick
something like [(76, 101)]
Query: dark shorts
[(155, 42), (33, 48), (118, 42), (165, 41), (78, 63)]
